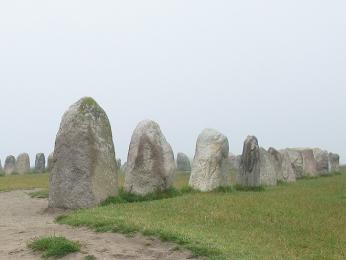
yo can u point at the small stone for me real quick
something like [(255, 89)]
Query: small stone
[(183, 162), (40, 163), (23, 164)]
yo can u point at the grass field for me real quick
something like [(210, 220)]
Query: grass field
[(29, 181), (302, 220)]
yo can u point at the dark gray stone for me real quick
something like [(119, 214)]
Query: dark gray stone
[(40, 163), (10, 165)]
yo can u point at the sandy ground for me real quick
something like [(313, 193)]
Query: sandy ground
[(23, 219)]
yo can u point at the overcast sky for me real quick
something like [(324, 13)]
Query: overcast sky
[(274, 69)]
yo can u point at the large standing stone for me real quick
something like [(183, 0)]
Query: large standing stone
[(322, 160), (10, 165), (257, 165), (303, 161), (309, 162), (183, 162), (296, 159), (119, 164), (334, 162), (23, 164), (283, 165), (84, 170), (210, 165), (40, 163), (123, 167), (150, 164), (234, 162), (50, 162)]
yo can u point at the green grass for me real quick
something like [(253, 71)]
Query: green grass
[(20, 182), (304, 220), (41, 194), (54, 246), (90, 257)]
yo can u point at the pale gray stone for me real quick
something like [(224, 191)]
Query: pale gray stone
[(234, 161), (10, 165), (183, 162), (334, 162), (23, 164), (123, 167), (303, 161), (296, 159), (210, 166), (283, 166), (119, 164), (40, 163), (150, 164), (309, 162), (84, 170), (322, 159), (50, 162)]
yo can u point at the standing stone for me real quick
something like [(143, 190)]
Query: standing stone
[(50, 162), (257, 165), (119, 164), (84, 171), (183, 162), (309, 162), (1, 170), (150, 164), (40, 163), (23, 164), (283, 166), (123, 167), (210, 165), (322, 159), (334, 162), (296, 159), (10, 165)]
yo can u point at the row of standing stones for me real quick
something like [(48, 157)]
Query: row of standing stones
[(84, 169), (21, 165)]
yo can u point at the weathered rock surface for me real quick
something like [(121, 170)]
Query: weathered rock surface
[(183, 162), (10, 165), (50, 162), (234, 161), (309, 162), (1, 169), (84, 171), (268, 175), (296, 159), (150, 164), (334, 162), (40, 162), (210, 165), (322, 160), (23, 164), (123, 167), (119, 163), (283, 166)]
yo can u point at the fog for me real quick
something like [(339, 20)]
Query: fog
[(274, 69)]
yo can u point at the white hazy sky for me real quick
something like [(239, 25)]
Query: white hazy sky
[(275, 69)]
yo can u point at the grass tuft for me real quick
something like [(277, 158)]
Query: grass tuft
[(54, 246), (90, 257), (41, 194), (245, 188)]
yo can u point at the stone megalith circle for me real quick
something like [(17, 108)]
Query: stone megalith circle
[(334, 162), (23, 164), (50, 162), (183, 162), (84, 170), (210, 166), (322, 159), (10, 165), (40, 163), (150, 165)]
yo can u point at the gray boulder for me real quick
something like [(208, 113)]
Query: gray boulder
[(50, 162), (40, 163), (322, 159), (150, 164), (84, 170), (334, 162), (309, 162), (10, 165), (183, 162), (303, 161), (282, 164), (234, 162), (23, 164), (210, 165), (296, 159)]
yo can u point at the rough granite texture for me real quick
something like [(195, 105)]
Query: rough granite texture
[(210, 167), (23, 164), (50, 162), (10, 165), (84, 168), (334, 162), (183, 162), (296, 159), (282, 164), (322, 159), (40, 162), (150, 164)]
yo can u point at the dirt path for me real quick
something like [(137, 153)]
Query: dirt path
[(23, 218)]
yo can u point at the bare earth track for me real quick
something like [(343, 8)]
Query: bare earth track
[(23, 218)]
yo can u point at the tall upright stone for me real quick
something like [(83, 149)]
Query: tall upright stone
[(210, 166), (283, 165), (322, 160), (183, 162), (23, 164), (309, 162), (296, 159), (10, 165), (150, 164), (334, 162), (119, 164), (84, 171), (257, 165), (50, 162), (40, 163)]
